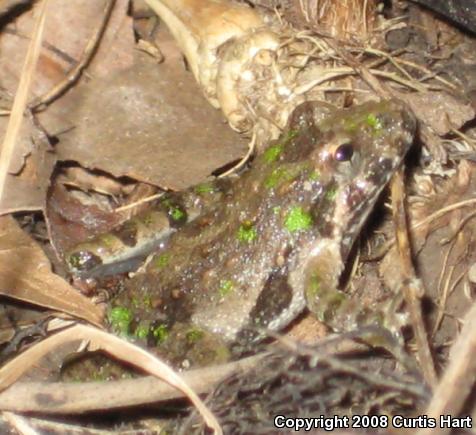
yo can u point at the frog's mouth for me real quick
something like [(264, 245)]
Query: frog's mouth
[(358, 199)]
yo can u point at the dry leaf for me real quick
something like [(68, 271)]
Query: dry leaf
[(439, 110), (71, 221), (151, 123), (30, 169), (68, 29), (34, 160), (113, 345), (25, 275)]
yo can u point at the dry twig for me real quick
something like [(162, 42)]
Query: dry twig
[(458, 380), (20, 101), (412, 287), (88, 53)]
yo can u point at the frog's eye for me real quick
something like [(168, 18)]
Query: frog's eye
[(344, 152)]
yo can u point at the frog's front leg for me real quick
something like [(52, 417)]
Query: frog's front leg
[(378, 324), (124, 248)]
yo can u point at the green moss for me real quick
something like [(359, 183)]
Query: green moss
[(205, 188), (315, 175), (160, 333), (147, 301), (276, 210), (373, 122), (135, 302), (177, 213), (276, 177), (331, 193), (194, 335), (107, 240), (148, 219), (272, 153), (289, 135), (120, 319), (162, 260), (246, 233), (350, 126), (75, 260), (297, 220), (314, 287), (226, 287), (142, 331)]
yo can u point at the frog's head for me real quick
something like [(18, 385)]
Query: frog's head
[(356, 153)]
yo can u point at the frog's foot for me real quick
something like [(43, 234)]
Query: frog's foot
[(378, 325), (377, 337), (187, 346)]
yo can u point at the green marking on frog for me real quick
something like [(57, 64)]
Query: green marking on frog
[(147, 301), (331, 194), (162, 260), (275, 151), (205, 188), (285, 173), (74, 260), (148, 220), (177, 213), (120, 319), (374, 122), (298, 219), (272, 153), (135, 302), (290, 134), (142, 331), (333, 303), (246, 232), (314, 286), (107, 240), (226, 287), (315, 175), (194, 335), (279, 176), (160, 333), (141, 302)]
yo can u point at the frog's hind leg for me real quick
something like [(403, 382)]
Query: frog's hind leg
[(378, 325)]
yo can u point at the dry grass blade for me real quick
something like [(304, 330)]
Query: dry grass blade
[(113, 345), (459, 378), (19, 104), (78, 398), (86, 57), (20, 424), (412, 286)]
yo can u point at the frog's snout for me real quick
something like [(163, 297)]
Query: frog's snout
[(408, 127)]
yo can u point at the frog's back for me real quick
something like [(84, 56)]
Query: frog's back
[(280, 237)]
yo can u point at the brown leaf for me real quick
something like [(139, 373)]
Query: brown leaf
[(33, 160), (69, 27), (148, 122), (30, 170), (439, 110), (71, 221), (25, 275)]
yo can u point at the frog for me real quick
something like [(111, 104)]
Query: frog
[(238, 257)]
